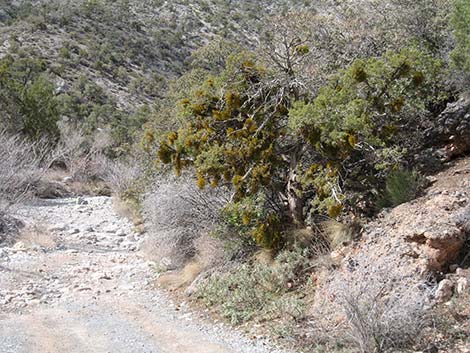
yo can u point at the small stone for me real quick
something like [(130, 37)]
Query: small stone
[(68, 179), (19, 246), (81, 201), (462, 285), (444, 290), (110, 229), (121, 233), (58, 227)]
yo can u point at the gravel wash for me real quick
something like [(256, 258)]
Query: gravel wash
[(75, 282)]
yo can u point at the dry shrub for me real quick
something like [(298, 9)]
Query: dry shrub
[(86, 161), (21, 167), (122, 176), (374, 308), (83, 155), (177, 213)]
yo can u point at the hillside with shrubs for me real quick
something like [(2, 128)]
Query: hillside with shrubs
[(299, 169)]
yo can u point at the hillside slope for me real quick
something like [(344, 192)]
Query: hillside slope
[(129, 48)]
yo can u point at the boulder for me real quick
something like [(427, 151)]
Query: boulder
[(452, 131), (444, 290)]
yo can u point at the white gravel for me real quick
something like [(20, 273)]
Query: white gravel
[(79, 284)]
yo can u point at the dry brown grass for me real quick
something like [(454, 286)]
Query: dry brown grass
[(337, 233), (210, 252), (128, 210), (177, 279), (37, 236)]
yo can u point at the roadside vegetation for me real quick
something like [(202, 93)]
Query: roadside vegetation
[(254, 147)]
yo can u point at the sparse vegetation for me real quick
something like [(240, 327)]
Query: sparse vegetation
[(374, 309), (255, 139), (22, 165), (261, 291), (401, 186), (178, 213)]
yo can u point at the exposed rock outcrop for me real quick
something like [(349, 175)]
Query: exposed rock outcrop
[(425, 235), (452, 132)]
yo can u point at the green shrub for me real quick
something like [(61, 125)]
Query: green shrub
[(260, 291), (249, 218), (64, 52), (460, 22), (400, 186), (27, 98), (367, 119)]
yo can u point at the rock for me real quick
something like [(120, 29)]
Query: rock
[(67, 180), (462, 285), (81, 201), (51, 190), (19, 246), (58, 227), (110, 229), (444, 290), (453, 130), (121, 233), (74, 231), (102, 276)]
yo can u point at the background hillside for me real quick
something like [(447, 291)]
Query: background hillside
[(116, 57)]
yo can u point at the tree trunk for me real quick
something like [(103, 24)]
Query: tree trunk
[(295, 200)]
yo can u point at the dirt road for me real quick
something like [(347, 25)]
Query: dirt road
[(76, 283)]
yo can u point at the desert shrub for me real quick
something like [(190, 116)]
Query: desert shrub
[(400, 186), (365, 122), (251, 222), (122, 177), (460, 23), (376, 309), (21, 167), (27, 98), (83, 155), (177, 213), (260, 291)]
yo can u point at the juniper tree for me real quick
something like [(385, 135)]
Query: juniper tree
[(244, 127), (27, 98)]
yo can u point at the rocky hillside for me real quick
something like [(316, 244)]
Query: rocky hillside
[(128, 48), (416, 249)]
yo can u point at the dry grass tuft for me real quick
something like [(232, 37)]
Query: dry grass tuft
[(129, 210), (37, 236), (337, 233), (177, 279)]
